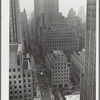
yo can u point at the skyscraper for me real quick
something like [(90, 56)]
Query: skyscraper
[(81, 14), (25, 31), (14, 31), (89, 92), (45, 8)]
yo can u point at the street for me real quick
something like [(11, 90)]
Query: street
[(42, 82)]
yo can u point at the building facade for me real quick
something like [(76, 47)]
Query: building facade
[(16, 73), (14, 26), (89, 92), (45, 8), (29, 82), (77, 66), (25, 32), (57, 36), (58, 66), (72, 19)]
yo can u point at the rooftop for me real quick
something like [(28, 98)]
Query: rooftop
[(73, 97), (25, 64), (57, 53), (15, 47)]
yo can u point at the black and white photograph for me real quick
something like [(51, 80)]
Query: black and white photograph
[(52, 50)]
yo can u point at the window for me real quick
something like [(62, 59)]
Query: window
[(24, 80), (19, 81), (15, 92), (29, 95), (24, 75), (18, 60), (14, 82), (16, 97), (20, 91), (24, 90), (19, 76), (15, 87), (14, 76), (9, 77), (14, 70), (18, 69), (10, 87), (29, 80), (29, 90), (24, 85), (20, 96), (11, 92), (11, 97), (10, 82), (29, 85), (28, 75), (9, 70), (19, 86)]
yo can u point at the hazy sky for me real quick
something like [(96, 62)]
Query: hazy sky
[(64, 6)]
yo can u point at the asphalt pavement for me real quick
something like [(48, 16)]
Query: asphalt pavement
[(44, 89)]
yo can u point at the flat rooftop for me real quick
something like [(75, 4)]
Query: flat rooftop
[(58, 53), (73, 97), (15, 47), (25, 64)]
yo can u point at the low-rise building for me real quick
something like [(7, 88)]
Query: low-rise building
[(58, 69)]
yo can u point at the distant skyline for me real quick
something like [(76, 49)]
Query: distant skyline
[(64, 6)]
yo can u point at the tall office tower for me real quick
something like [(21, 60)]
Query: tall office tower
[(44, 9), (38, 7), (16, 73), (25, 32), (89, 92), (14, 31), (50, 6), (81, 14)]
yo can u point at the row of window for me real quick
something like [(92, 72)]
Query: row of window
[(60, 71), (15, 92), (60, 85), (15, 76), (60, 78), (19, 81), (28, 75), (16, 87), (60, 63), (60, 67), (62, 45), (15, 82), (14, 70), (29, 85), (59, 74), (15, 97), (62, 32), (60, 81)]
